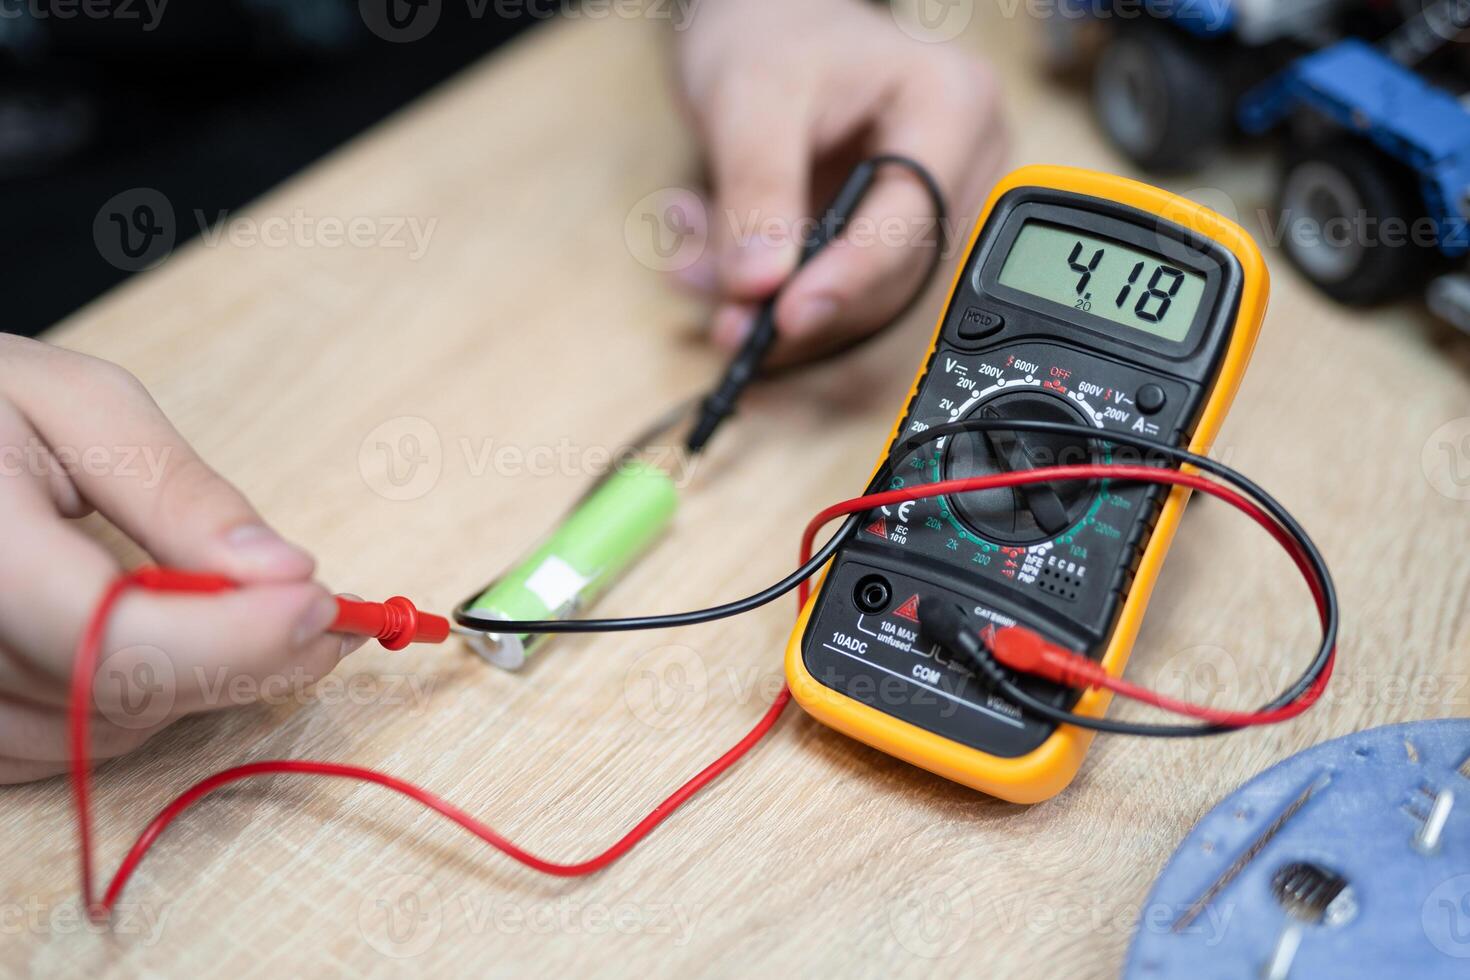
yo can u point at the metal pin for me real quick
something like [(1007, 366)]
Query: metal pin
[(1284, 955), (1426, 841)]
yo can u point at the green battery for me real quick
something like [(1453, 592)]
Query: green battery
[(606, 533)]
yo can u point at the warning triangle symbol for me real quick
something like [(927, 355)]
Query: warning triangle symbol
[(878, 527), (909, 610)]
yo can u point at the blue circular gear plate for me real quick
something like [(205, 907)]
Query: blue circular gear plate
[(1355, 806)]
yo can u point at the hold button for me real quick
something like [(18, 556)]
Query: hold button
[(976, 323)]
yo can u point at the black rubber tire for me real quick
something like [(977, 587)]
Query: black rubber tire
[(1362, 261), (1161, 97)]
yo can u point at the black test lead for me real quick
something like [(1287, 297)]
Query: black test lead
[(746, 365)]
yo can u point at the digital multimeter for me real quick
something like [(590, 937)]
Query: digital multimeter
[(1084, 298)]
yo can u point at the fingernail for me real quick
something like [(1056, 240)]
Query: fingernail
[(314, 622), (811, 314), (266, 551)]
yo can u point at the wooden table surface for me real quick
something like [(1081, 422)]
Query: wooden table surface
[(525, 341)]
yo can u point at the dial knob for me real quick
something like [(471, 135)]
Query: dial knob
[(1020, 515)]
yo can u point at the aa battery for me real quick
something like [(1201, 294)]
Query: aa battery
[(605, 534)]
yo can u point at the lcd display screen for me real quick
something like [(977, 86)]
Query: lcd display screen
[(1138, 289)]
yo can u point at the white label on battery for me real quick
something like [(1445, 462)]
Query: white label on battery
[(555, 582)]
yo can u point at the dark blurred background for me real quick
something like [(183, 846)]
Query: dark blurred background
[(210, 102)]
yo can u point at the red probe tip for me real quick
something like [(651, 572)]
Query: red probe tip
[(395, 623)]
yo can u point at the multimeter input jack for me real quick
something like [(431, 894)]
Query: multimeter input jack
[(872, 594)]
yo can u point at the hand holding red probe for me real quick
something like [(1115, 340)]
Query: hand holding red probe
[(395, 623)]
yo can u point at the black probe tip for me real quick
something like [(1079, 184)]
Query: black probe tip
[(711, 417)]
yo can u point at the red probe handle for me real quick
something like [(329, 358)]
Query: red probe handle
[(1023, 650), (395, 623)]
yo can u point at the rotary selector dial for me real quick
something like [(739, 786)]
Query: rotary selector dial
[(1020, 515)]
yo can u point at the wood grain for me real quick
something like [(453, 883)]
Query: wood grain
[(529, 323)]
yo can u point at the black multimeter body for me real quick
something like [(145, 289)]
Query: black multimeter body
[(1062, 558)]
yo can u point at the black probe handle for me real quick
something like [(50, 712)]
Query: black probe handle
[(720, 403)]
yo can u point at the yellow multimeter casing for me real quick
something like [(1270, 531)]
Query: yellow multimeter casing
[(1086, 297)]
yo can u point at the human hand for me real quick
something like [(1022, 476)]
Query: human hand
[(786, 98), (77, 434)]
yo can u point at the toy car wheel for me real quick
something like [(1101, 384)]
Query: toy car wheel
[(1160, 96), (1348, 220)]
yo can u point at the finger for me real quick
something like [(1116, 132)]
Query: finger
[(13, 772), (24, 455), (731, 324), (171, 655), (163, 655), (49, 573), (864, 278), (52, 575), (40, 733), (700, 278), (948, 121), (759, 142), (129, 461), (158, 648)]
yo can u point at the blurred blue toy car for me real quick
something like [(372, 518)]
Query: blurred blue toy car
[(1374, 193)]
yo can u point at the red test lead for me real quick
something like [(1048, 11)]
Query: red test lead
[(395, 623)]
